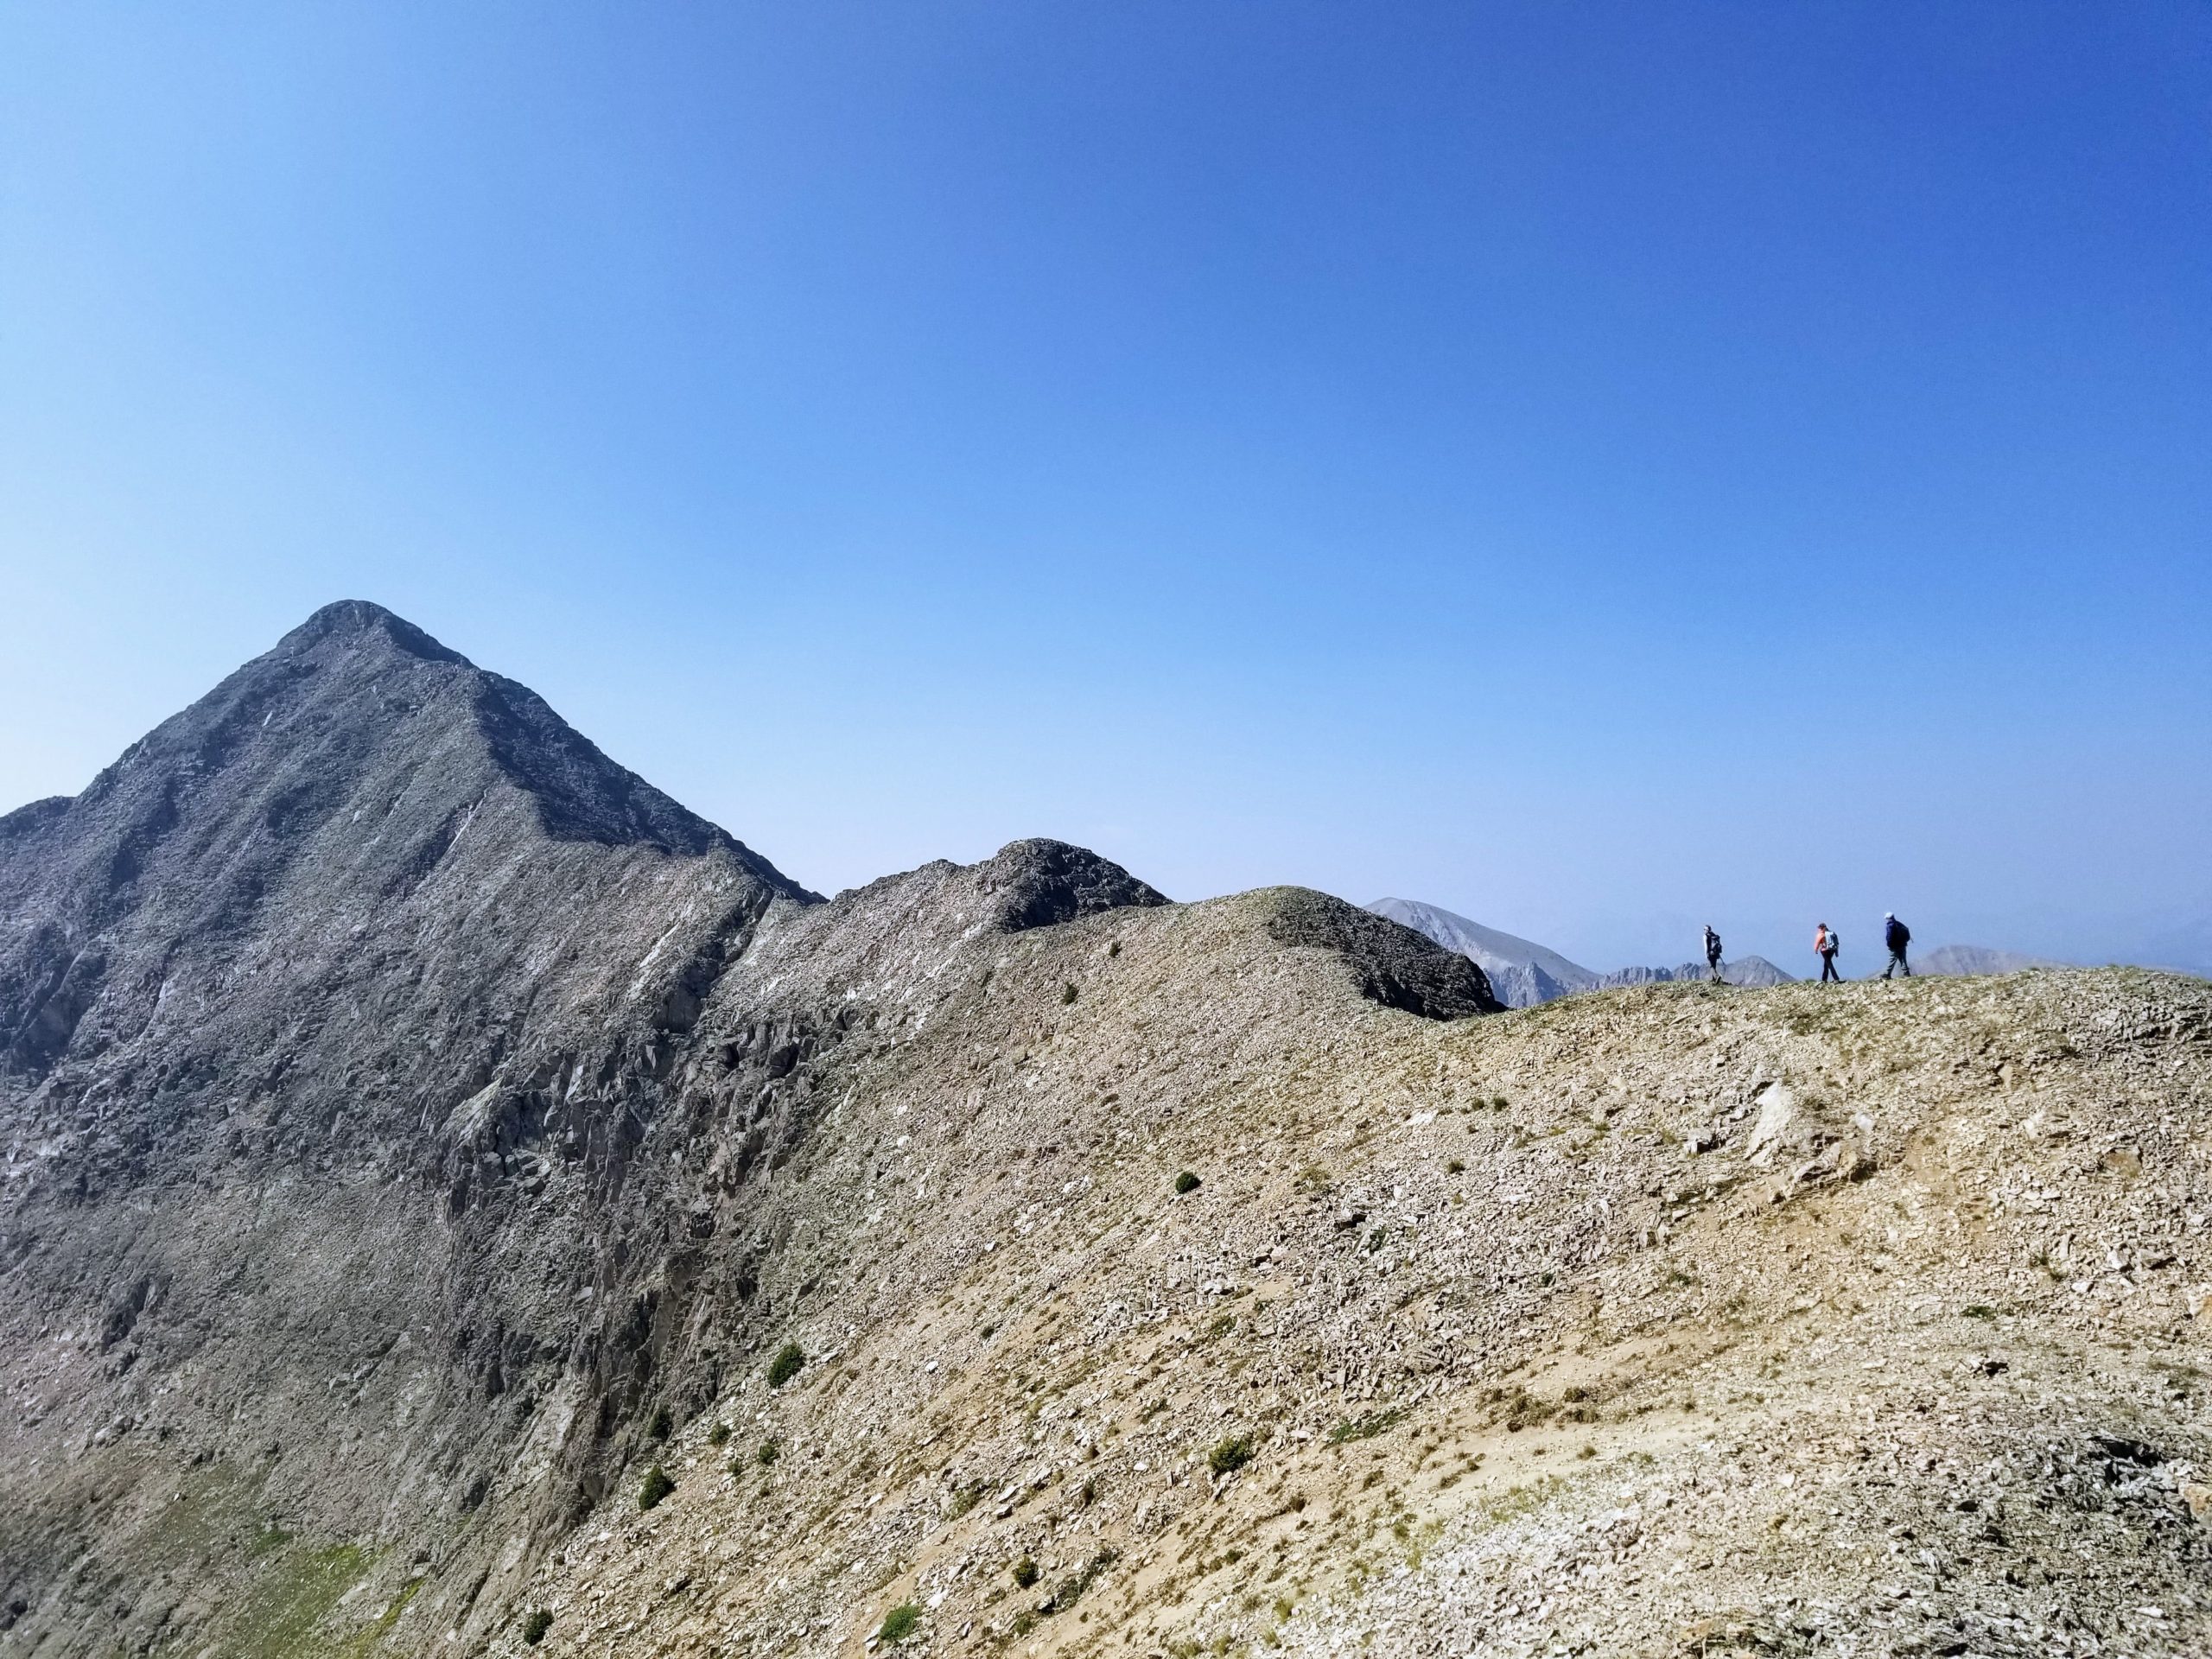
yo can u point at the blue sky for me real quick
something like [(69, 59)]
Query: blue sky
[(1596, 468)]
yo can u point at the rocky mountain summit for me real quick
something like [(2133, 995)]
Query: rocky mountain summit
[(454, 1201)]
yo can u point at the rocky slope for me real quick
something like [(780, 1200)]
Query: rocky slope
[(374, 1169), (1000, 1260)]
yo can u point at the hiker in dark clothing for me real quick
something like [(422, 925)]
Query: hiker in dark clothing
[(1897, 936), (1828, 941), (1712, 953)]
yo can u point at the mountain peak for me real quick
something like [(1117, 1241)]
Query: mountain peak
[(1039, 882), (348, 618), (351, 789)]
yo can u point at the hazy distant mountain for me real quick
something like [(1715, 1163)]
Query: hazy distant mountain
[(1734, 970), (1977, 959), (2183, 939), (1522, 972)]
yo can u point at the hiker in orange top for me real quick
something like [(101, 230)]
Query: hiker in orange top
[(1827, 943)]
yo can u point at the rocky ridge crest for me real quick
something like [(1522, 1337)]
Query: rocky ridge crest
[(438, 1132)]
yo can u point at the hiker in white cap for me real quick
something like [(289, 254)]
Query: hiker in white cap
[(1897, 936)]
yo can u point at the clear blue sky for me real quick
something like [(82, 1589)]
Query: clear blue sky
[(1596, 467)]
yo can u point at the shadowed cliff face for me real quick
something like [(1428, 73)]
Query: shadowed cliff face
[(400, 1102)]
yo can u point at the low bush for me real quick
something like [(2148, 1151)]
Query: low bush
[(657, 1486), (900, 1623), (1365, 1428), (534, 1627), (662, 1425), (1025, 1572), (769, 1451), (718, 1435), (1187, 1182), (1068, 1590), (790, 1360), (1229, 1455)]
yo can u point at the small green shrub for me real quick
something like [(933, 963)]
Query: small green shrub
[(769, 1451), (718, 1435), (1187, 1182), (1229, 1455), (658, 1485), (900, 1623), (1365, 1428), (1025, 1572), (662, 1425), (534, 1627), (1980, 1311), (1070, 1590), (1067, 994), (790, 1360)]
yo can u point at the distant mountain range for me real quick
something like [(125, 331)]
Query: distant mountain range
[(1523, 973), (1977, 959), (1734, 970)]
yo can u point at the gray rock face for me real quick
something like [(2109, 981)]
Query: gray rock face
[(359, 821), (334, 1017), (394, 1092), (1037, 883), (1393, 964)]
